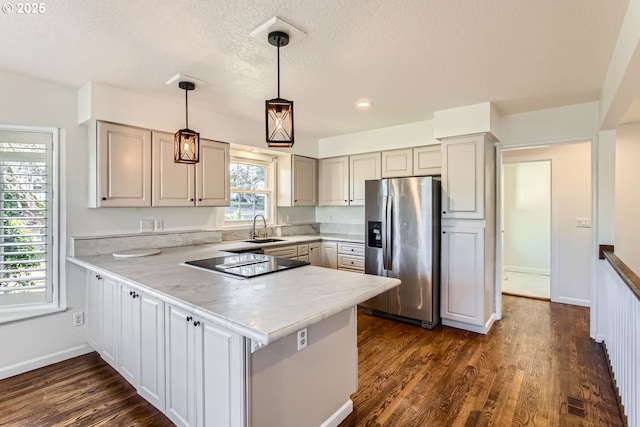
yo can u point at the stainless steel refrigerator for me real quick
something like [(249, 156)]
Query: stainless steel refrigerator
[(402, 216)]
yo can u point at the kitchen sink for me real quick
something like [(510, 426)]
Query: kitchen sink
[(264, 240)]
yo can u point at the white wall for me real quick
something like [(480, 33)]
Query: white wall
[(527, 217), (571, 199), (32, 343), (627, 200), (401, 136)]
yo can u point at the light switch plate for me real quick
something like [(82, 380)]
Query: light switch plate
[(146, 225), (583, 222)]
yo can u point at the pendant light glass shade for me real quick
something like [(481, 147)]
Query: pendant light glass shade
[(279, 119), (186, 142), (278, 111), (186, 146)]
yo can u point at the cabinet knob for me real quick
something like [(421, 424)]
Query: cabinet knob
[(196, 323), (351, 200), (191, 200), (444, 232), (99, 277), (199, 200), (130, 292), (135, 295), (189, 318), (296, 200), (444, 212), (345, 201), (104, 198)]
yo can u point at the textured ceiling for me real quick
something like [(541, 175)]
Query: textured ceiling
[(409, 57)]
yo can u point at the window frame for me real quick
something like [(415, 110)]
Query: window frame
[(53, 300), (258, 160)]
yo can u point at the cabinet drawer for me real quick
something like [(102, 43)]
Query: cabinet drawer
[(282, 252), (303, 250), (351, 248), (351, 262), (304, 258)]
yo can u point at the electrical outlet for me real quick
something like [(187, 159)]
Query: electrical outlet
[(291, 219), (157, 225), (302, 339), (146, 225), (78, 318)]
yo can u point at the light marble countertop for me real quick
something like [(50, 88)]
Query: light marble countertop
[(265, 308)]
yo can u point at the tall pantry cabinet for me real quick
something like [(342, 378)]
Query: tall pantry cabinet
[(468, 232)]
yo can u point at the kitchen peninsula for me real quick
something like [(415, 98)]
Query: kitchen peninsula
[(210, 349)]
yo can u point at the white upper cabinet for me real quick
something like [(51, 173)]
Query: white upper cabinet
[(120, 166), (212, 174), (361, 168), (297, 181), (463, 176), (397, 163), (177, 184), (334, 181), (427, 160), (173, 183), (342, 178)]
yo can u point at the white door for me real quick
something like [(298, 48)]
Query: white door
[(526, 228), (330, 254)]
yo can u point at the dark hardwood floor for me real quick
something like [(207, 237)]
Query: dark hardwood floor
[(537, 367)]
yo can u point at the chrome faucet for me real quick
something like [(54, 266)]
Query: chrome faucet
[(253, 228)]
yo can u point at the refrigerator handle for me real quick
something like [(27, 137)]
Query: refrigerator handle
[(388, 219)]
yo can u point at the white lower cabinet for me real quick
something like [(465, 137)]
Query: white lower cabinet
[(330, 254), (315, 254), (109, 321), (463, 274), (204, 371), (141, 344)]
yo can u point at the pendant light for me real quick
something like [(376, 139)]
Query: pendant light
[(186, 142), (278, 111)]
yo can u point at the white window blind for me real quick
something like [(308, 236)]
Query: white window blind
[(27, 252)]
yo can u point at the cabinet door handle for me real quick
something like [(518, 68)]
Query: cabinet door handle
[(135, 295), (196, 323), (99, 277), (131, 293), (189, 318)]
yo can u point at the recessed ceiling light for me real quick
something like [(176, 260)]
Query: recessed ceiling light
[(255, 150), (363, 104)]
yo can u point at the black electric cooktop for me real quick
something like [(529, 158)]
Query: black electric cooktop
[(247, 265)]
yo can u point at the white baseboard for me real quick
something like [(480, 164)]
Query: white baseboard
[(39, 362), (530, 270), (574, 301), (469, 327), (337, 417)]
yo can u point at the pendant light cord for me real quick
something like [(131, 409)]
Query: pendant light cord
[(186, 109), (278, 68)]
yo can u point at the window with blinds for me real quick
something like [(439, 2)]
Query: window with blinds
[(27, 218)]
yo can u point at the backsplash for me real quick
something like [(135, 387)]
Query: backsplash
[(96, 245), (334, 228), (276, 230)]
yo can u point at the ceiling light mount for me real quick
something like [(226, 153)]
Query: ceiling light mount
[(279, 111), (278, 38)]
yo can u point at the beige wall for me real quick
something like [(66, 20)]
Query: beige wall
[(571, 199), (628, 195)]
